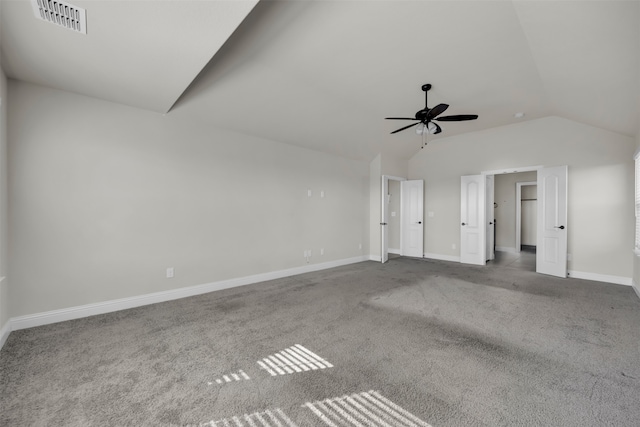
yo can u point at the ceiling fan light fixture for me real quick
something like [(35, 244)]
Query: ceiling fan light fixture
[(420, 129), (432, 128)]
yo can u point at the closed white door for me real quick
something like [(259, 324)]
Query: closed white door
[(412, 196), (472, 220), (551, 252)]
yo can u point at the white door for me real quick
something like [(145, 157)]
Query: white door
[(384, 221), (490, 218), (551, 253), (412, 227), (472, 219)]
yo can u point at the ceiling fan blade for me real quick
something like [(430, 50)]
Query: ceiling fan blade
[(458, 118), (400, 118), (436, 111), (406, 127)]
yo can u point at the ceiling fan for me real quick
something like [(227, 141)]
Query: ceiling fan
[(427, 115)]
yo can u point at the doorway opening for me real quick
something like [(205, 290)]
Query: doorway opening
[(390, 217), (515, 217), (402, 229), (551, 236)]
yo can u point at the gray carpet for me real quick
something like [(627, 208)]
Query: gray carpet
[(408, 343)]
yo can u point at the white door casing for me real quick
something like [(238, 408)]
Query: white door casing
[(472, 219), (519, 212), (412, 221), (551, 253)]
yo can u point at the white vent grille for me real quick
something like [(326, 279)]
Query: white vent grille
[(61, 13)]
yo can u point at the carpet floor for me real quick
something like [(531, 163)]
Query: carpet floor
[(408, 343)]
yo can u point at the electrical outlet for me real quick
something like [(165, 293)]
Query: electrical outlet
[(322, 194), (453, 246), (308, 193), (360, 246), (321, 251), (169, 272)]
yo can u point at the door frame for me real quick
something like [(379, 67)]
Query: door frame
[(384, 216), (530, 169), (519, 186)]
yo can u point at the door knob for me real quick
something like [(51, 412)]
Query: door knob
[(560, 227), (419, 222), (464, 223)]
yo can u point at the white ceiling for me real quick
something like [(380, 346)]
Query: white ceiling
[(139, 53), (325, 74)]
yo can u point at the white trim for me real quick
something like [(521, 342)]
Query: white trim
[(395, 178), (376, 258), (39, 319), (442, 257), (618, 280), (636, 251), (519, 186), (4, 333), (395, 251), (512, 170), (506, 249)]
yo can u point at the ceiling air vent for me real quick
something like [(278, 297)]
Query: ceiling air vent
[(61, 13)]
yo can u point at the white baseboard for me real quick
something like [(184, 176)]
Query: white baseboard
[(442, 257), (618, 280), (376, 258), (506, 249), (4, 333), (395, 251), (55, 316)]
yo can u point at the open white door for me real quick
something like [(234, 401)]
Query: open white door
[(412, 228), (472, 217), (551, 254), (490, 218), (384, 221)]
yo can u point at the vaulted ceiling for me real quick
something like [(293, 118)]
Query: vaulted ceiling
[(325, 74)]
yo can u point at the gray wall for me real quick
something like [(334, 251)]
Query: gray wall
[(601, 185), (4, 283), (636, 258), (505, 212), (104, 197)]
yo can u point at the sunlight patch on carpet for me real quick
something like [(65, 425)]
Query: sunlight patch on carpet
[(268, 418), (292, 360), (234, 376), (363, 409)]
